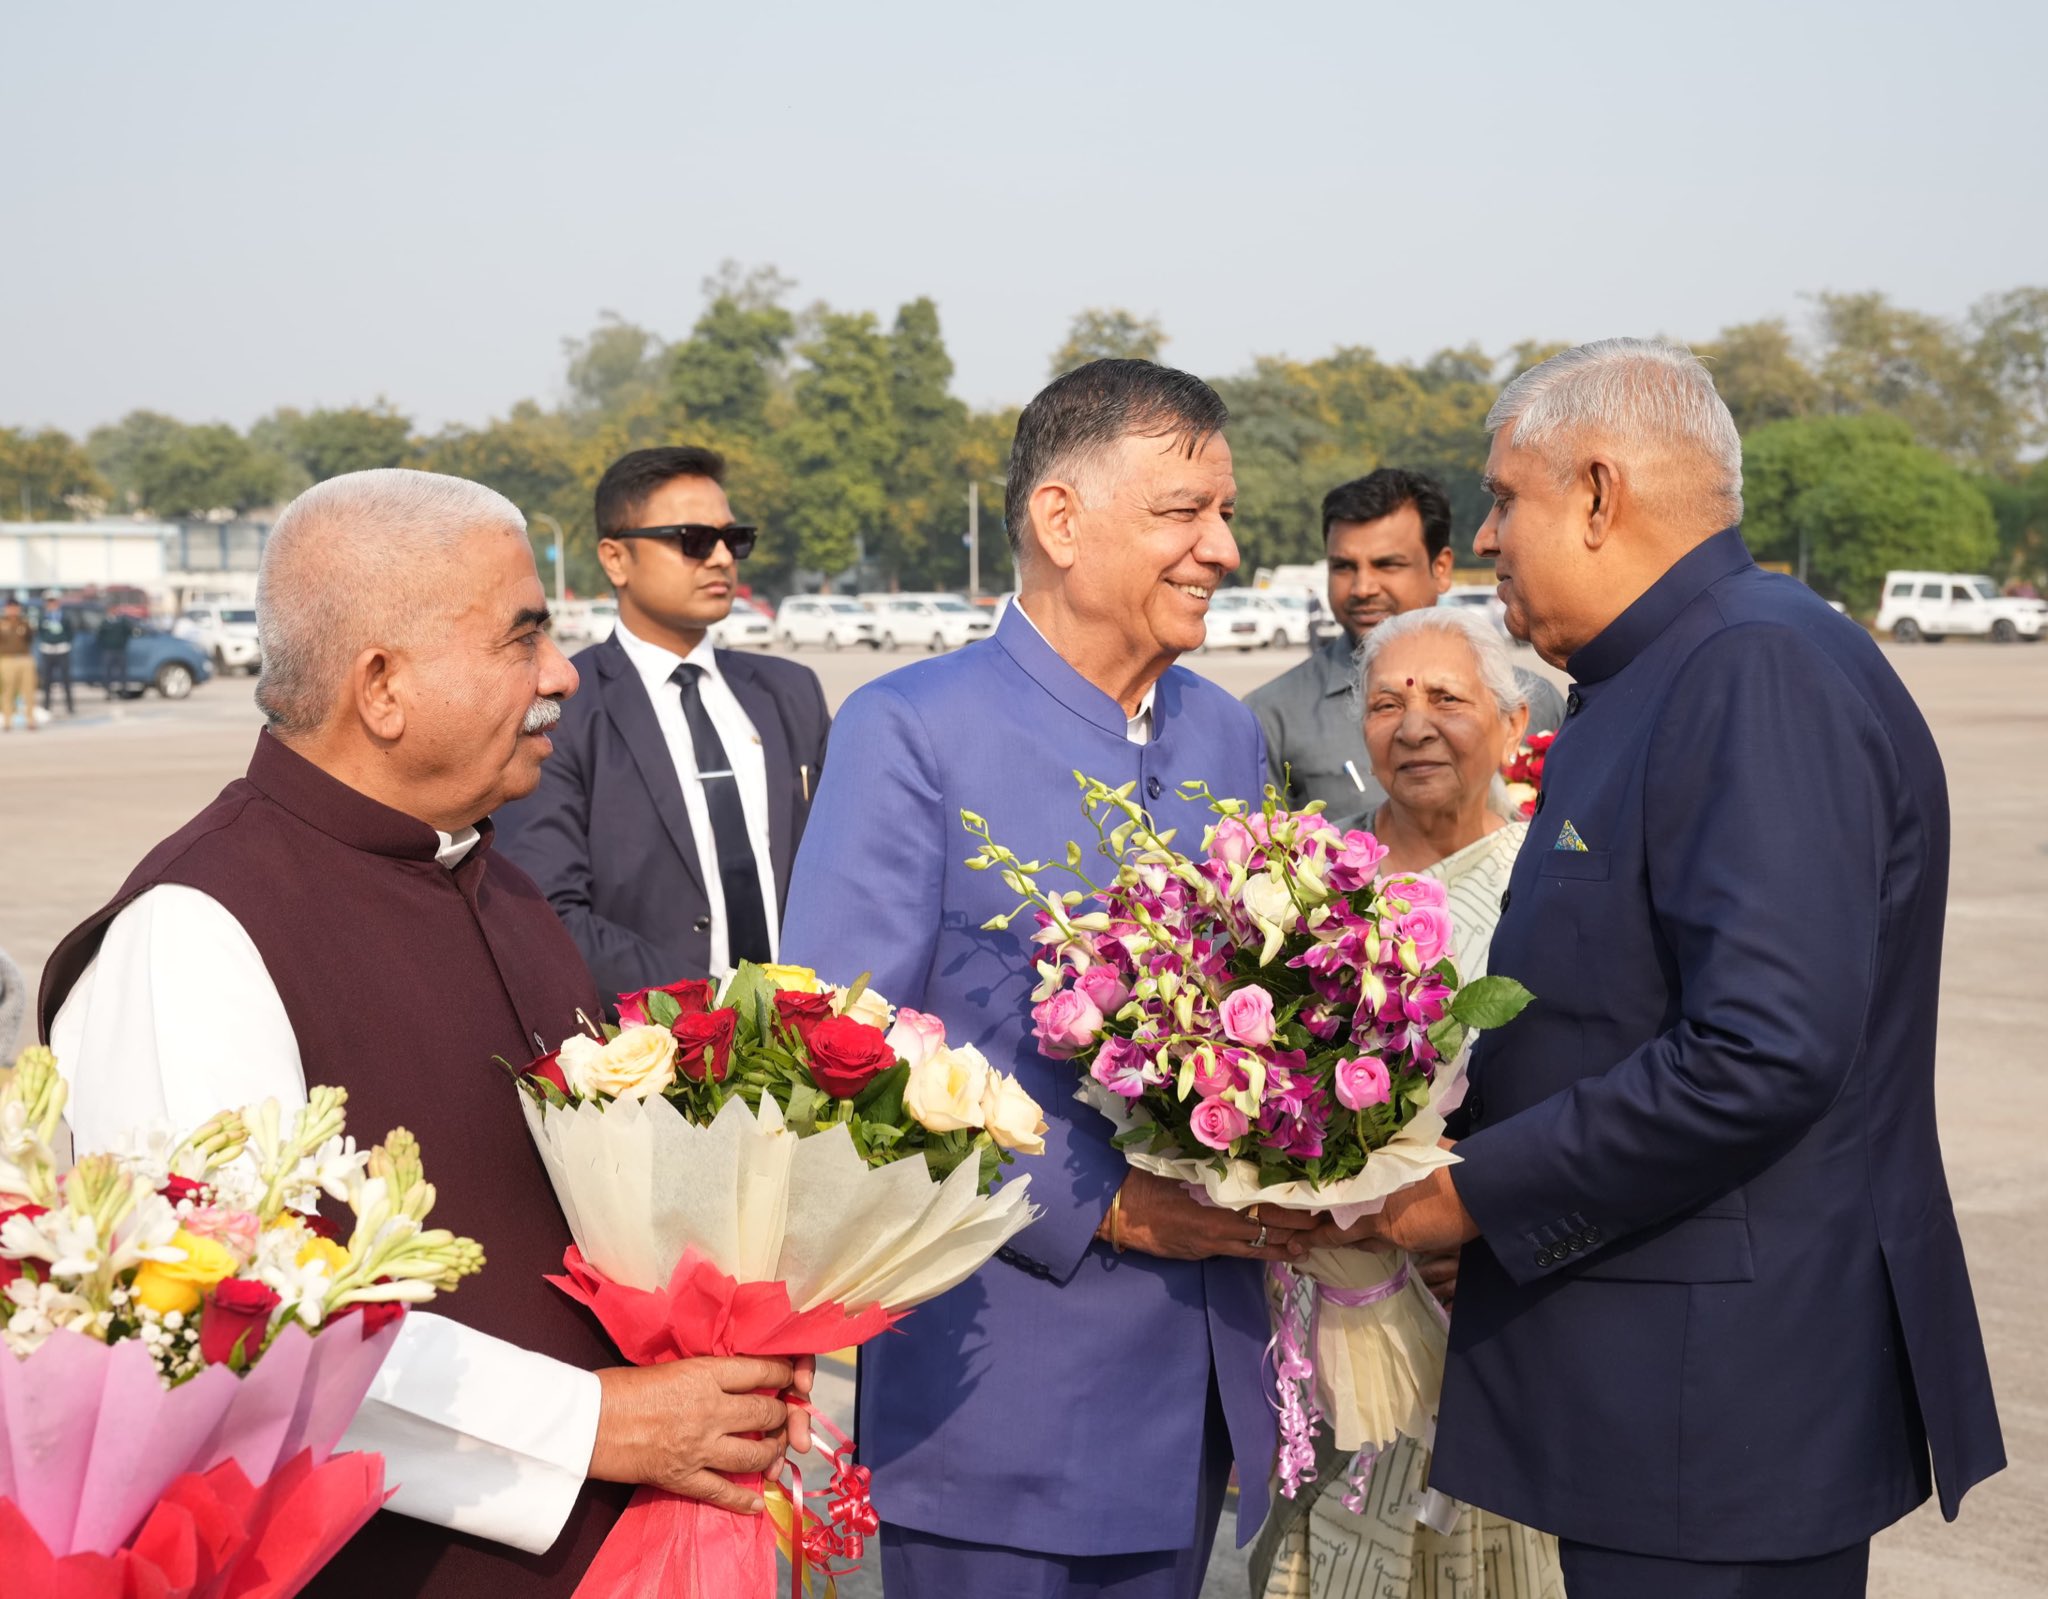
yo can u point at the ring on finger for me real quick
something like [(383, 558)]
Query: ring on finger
[(1260, 1241)]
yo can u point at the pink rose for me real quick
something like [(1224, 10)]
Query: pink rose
[(1355, 863), (1219, 1124), (1362, 1082), (1231, 842), (916, 1037), (1247, 1016), (237, 1229), (1418, 891), (1219, 1072), (1105, 987), (1066, 1024), (1430, 927)]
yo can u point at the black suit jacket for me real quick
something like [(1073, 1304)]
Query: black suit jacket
[(606, 835)]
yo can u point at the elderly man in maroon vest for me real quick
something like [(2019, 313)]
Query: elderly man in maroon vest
[(339, 916)]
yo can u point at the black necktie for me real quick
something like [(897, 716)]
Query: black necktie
[(746, 920)]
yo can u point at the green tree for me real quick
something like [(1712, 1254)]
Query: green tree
[(1876, 356), (161, 465), (1859, 497), (2011, 332), (543, 464), (46, 477), (1761, 374), (2019, 506), (927, 489), (1100, 335), (617, 368), (726, 374), (840, 447), (326, 443)]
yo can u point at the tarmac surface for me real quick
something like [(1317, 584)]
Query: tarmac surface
[(82, 800)]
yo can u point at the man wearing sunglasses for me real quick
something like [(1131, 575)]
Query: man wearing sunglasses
[(663, 828)]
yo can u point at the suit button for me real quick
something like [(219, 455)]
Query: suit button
[(1154, 787), (1475, 1106), (1575, 1243), (1544, 1257), (1574, 702), (1506, 897), (702, 924), (1592, 1235), (1539, 802)]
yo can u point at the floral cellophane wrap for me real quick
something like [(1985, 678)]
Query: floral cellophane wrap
[(1378, 1367), (639, 1185), (90, 1438)]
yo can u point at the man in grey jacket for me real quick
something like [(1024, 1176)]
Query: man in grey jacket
[(1388, 539)]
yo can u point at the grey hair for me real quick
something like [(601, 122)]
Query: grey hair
[(351, 564), (1640, 393)]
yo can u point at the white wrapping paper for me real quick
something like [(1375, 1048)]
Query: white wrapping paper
[(640, 1184)]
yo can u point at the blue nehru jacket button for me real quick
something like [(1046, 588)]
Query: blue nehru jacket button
[(1154, 787), (1506, 896)]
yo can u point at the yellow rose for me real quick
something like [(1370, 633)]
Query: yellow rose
[(1012, 1116), (945, 1090), (324, 1250), (794, 979), (870, 1008), (168, 1285), (638, 1064)]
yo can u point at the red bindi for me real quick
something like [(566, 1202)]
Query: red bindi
[(1411, 682)]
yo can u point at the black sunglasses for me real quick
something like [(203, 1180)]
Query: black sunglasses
[(698, 539)]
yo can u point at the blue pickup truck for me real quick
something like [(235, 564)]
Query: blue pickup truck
[(156, 660)]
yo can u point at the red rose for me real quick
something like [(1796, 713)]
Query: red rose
[(711, 1031), (236, 1316), (847, 1055), (177, 1188), (377, 1314), (800, 1013), (693, 998), (549, 1070)]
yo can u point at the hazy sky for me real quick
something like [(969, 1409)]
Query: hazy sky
[(217, 209)]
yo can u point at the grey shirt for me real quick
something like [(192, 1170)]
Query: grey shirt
[(1315, 739)]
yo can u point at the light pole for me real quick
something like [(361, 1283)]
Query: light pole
[(974, 530), (559, 553)]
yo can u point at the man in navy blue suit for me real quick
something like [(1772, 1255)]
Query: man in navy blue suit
[(1062, 1425), (1716, 1319), (665, 825)]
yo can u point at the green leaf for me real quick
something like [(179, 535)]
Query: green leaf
[(1136, 1133), (752, 994), (805, 1103), (1448, 1037), (1490, 1002), (882, 1099), (662, 1009)]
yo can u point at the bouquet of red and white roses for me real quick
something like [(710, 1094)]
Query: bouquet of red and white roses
[(779, 1168), (1523, 774), (187, 1340), (1274, 1022)]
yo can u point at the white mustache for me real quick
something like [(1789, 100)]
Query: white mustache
[(541, 716)]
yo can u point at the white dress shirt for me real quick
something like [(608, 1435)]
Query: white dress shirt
[(1137, 724), (742, 742), (176, 1018)]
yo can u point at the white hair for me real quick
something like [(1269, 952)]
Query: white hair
[(1636, 393), (1489, 649), (353, 563)]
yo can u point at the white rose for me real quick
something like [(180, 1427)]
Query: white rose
[(946, 1089), (871, 1008), (638, 1064), (1012, 1116)]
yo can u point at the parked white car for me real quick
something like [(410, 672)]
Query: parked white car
[(1480, 597), (832, 621), (581, 622), (746, 627), (226, 632), (932, 621), (1247, 619), (1934, 605)]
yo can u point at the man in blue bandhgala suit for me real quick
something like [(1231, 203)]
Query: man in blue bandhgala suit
[(1717, 1318), (1064, 1423)]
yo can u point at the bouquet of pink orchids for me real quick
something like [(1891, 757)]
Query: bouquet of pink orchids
[(1273, 1022)]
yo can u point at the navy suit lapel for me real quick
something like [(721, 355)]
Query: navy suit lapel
[(766, 715), (632, 714)]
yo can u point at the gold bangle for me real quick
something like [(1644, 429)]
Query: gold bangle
[(1116, 1222)]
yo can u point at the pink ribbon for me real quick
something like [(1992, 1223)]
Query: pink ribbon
[(1292, 1351)]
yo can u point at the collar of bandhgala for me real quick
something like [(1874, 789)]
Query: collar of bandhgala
[(1020, 638), (1632, 632), (281, 774)]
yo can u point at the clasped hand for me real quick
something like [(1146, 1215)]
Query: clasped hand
[(686, 1425), (1160, 1217)]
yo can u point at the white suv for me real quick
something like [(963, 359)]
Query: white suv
[(935, 621), (227, 633), (1245, 619), (833, 620), (1933, 605)]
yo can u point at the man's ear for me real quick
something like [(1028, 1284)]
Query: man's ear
[(1604, 489), (612, 556), (1441, 568), (1055, 510), (374, 692)]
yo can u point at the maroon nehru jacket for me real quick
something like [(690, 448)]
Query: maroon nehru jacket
[(403, 980)]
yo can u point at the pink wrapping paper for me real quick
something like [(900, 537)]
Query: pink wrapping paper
[(90, 1439)]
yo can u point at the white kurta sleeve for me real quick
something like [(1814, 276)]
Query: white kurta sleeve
[(177, 1018)]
